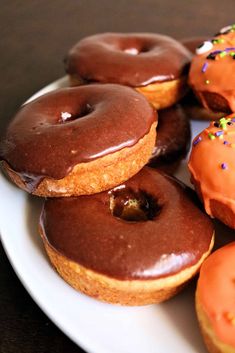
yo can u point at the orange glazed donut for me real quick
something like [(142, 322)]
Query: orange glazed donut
[(215, 300), (78, 141), (135, 244), (212, 70), (153, 64), (212, 167), (191, 105)]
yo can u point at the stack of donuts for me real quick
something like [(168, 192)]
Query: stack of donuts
[(114, 228)]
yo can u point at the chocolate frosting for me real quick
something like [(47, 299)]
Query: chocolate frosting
[(85, 231), (52, 134), (132, 59), (173, 136)]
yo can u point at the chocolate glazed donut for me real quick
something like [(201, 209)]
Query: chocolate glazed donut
[(80, 140), (119, 246), (173, 139), (153, 64)]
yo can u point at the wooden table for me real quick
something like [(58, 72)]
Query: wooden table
[(35, 36)]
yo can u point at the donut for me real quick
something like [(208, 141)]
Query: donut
[(153, 64), (78, 141), (193, 109), (118, 246), (215, 300), (212, 168), (173, 139), (211, 74)]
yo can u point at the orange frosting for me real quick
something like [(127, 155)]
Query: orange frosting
[(212, 162), (216, 292), (219, 75)]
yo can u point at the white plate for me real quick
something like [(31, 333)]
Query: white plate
[(95, 326)]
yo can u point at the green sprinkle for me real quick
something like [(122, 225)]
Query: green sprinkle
[(222, 54), (211, 136), (232, 53), (207, 82), (224, 126), (217, 41), (223, 121)]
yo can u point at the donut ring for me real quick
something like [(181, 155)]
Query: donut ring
[(77, 141), (127, 252), (153, 64), (212, 168), (173, 139), (215, 300), (211, 73)]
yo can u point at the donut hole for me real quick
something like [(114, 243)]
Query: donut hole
[(66, 116), (133, 206)]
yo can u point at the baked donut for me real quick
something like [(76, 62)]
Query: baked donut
[(77, 141), (119, 246), (211, 74), (173, 139), (193, 109), (212, 168), (215, 300), (153, 64)]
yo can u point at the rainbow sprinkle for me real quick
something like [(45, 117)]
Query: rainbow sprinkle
[(219, 133), (204, 67), (211, 136), (197, 140), (224, 166)]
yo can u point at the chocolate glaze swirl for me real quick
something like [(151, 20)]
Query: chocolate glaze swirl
[(132, 59), (174, 237), (52, 134)]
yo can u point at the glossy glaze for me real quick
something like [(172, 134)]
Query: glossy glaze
[(132, 59), (84, 230), (216, 292), (218, 78), (212, 163), (49, 136)]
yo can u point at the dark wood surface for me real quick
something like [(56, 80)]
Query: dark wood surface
[(35, 36)]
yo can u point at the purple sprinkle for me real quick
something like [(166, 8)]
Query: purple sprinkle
[(195, 142), (204, 67), (216, 52), (219, 133), (228, 49), (225, 142), (224, 166), (233, 120)]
